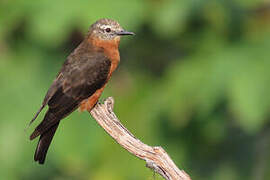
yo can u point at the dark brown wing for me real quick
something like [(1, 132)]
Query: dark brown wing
[(50, 93), (82, 74)]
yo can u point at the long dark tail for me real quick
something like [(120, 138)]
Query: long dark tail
[(44, 143)]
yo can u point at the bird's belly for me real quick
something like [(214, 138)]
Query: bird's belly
[(89, 103)]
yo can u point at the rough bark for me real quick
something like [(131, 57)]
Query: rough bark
[(156, 157)]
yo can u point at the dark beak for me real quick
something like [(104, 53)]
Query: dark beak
[(124, 33)]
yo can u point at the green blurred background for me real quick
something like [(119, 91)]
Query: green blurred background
[(194, 80)]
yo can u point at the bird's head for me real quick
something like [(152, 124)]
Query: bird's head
[(107, 29)]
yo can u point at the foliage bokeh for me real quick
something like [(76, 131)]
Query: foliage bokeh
[(195, 79)]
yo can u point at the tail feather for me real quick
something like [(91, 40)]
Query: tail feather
[(44, 143), (49, 120)]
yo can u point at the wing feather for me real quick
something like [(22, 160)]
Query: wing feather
[(81, 75)]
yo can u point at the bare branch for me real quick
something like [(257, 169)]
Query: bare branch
[(156, 157)]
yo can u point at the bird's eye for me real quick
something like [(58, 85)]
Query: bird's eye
[(108, 29)]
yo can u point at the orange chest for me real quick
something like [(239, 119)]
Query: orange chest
[(115, 58), (111, 51)]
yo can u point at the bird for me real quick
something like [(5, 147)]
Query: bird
[(80, 81)]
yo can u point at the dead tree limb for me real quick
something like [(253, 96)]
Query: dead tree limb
[(156, 158)]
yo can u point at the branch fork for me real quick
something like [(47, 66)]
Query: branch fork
[(156, 157)]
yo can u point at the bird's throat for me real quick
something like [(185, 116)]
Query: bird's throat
[(110, 47)]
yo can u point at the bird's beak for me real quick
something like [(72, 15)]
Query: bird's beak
[(124, 33)]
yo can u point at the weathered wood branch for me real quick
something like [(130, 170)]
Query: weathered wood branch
[(156, 157)]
